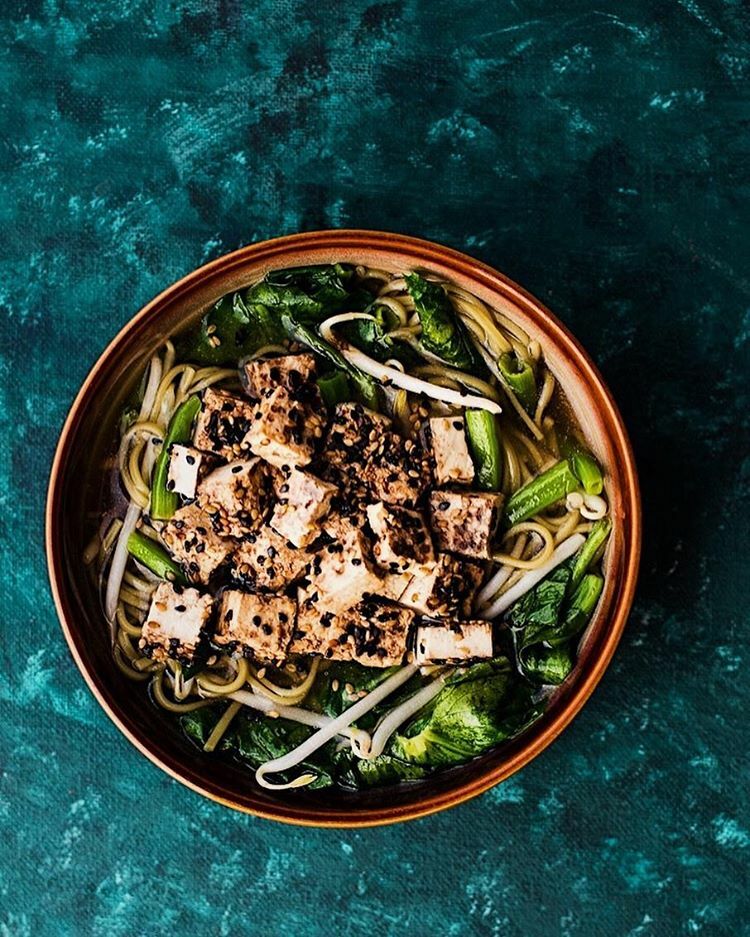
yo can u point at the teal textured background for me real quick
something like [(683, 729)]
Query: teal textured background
[(597, 153)]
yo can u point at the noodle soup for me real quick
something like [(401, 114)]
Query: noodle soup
[(361, 541)]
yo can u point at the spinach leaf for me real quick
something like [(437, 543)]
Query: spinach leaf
[(547, 619), (331, 694), (478, 708), (308, 293), (200, 723), (548, 665), (370, 336), (443, 334), (257, 740), (231, 329), (538, 612)]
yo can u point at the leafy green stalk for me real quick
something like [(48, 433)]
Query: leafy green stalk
[(334, 388), (443, 333), (537, 614), (155, 558), (367, 388), (581, 606), (484, 443), (163, 501), (587, 471), (541, 492), (520, 378), (596, 539)]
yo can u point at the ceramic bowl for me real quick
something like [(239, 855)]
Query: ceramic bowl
[(76, 487)]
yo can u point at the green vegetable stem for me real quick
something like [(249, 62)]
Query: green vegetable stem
[(541, 492), (520, 378), (155, 557), (596, 539), (334, 388), (484, 442), (367, 388), (164, 502)]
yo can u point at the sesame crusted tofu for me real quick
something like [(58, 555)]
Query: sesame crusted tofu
[(465, 522), (397, 471), (452, 464), (258, 626), (375, 634), (285, 430), (443, 589), (187, 466), (235, 496), (453, 642), (342, 573), (343, 517), (222, 424), (353, 436), (290, 371), (394, 585), (192, 540), (177, 623), (403, 542), (269, 561), (303, 501)]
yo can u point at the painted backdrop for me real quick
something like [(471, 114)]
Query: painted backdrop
[(596, 152)]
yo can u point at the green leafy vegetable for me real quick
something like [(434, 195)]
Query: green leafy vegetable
[(230, 330), (478, 707), (587, 471), (484, 442), (367, 388), (443, 333), (200, 723), (163, 501), (370, 336), (307, 293), (541, 492), (520, 378), (547, 619), (548, 665), (155, 558), (334, 388), (594, 542), (538, 613)]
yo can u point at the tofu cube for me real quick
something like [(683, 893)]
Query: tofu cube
[(177, 623), (465, 522), (187, 466), (353, 437), (397, 471), (375, 634), (450, 451), (269, 561), (285, 429), (235, 496), (192, 540), (303, 501), (453, 642), (403, 542), (443, 589), (394, 585), (291, 371), (223, 423), (342, 573), (257, 626)]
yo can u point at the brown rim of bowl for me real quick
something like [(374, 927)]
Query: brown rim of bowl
[(272, 252)]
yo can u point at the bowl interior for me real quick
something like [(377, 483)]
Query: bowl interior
[(76, 490)]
